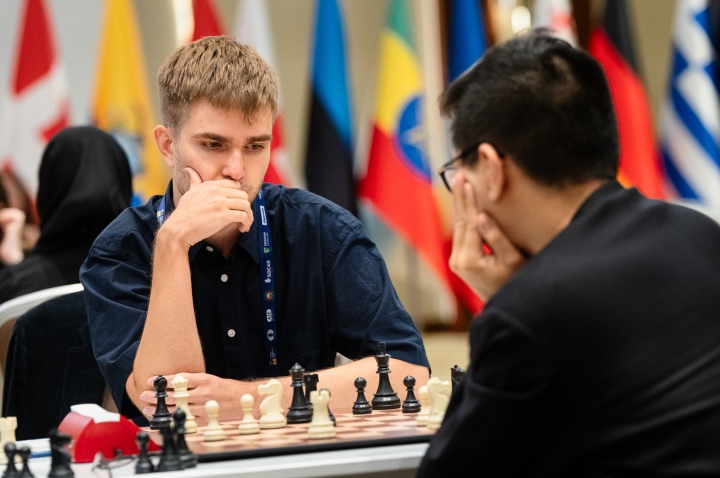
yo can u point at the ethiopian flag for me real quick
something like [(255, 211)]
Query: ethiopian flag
[(122, 101), (398, 184)]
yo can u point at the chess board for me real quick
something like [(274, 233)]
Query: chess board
[(380, 428)]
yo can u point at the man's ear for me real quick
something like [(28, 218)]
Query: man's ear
[(164, 140), (496, 171)]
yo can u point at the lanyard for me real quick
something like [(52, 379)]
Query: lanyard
[(267, 277)]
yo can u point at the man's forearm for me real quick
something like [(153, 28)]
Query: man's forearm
[(170, 342)]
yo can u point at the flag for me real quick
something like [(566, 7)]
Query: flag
[(557, 16), (252, 27), (207, 23), (121, 103), (398, 182), (466, 44), (611, 44), (690, 125), (328, 163), (37, 104)]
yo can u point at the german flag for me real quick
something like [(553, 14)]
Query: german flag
[(611, 44)]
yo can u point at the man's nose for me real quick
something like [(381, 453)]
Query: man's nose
[(235, 166)]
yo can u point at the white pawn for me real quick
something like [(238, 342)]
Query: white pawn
[(213, 431), (8, 425), (179, 384), (271, 411), (321, 426), (424, 397), (248, 424), (439, 397)]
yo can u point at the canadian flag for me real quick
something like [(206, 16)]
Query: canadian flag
[(36, 105), (253, 28)]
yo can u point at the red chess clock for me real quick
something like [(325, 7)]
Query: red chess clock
[(93, 429)]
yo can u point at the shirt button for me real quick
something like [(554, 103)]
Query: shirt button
[(224, 277), (209, 248), (231, 333)]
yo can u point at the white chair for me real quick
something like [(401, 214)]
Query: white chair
[(14, 308)]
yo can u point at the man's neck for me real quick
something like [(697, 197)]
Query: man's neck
[(541, 213)]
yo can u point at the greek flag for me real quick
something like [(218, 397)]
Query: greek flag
[(690, 128)]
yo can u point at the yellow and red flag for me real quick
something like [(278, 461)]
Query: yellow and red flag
[(122, 101), (398, 183)]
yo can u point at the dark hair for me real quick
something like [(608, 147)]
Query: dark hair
[(542, 102)]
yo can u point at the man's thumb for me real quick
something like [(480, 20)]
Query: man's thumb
[(195, 178)]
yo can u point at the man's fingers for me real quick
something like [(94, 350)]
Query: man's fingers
[(498, 242)]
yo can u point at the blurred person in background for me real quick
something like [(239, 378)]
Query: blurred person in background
[(84, 183), (19, 230)]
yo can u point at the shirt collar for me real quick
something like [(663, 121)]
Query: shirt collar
[(248, 240)]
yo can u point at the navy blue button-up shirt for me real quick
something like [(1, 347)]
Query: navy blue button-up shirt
[(332, 292)]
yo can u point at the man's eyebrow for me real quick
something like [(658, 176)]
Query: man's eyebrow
[(212, 137), (259, 138)]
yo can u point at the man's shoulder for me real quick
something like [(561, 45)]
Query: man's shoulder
[(138, 221), (298, 204)]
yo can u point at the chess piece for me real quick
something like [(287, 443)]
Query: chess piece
[(10, 451), (24, 452), (60, 456), (385, 398), (143, 465), (248, 424), (179, 384), (321, 426), (311, 381), (361, 405), (170, 459), (8, 425), (424, 406), (271, 411), (439, 398), (411, 404), (187, 458), (330, 413), (299, 411), (213, 431), (456, 374), (161, 418)]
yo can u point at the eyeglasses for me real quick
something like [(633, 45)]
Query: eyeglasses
[(447, 171)]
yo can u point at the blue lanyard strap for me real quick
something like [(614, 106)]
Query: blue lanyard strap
[(267, 277)]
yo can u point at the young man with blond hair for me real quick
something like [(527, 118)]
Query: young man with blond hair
[(228, 280)]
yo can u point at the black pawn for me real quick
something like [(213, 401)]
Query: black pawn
[(170, 459), (332, 417), (385, 398), (143, 465), (361, 405), (60, 456), (456, 374), (411, 404), (24, 452), (161, 418), (299, 411), (311, 381), (10, 451), (187, 458)]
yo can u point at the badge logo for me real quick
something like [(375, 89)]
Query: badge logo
[(270, 335), (268, 315), (269, 295)]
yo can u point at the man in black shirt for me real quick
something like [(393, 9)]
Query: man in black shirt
[(597, 351)]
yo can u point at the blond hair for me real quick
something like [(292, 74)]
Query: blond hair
[(227, 74)]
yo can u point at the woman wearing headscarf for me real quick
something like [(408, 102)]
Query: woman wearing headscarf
[(84, 183)]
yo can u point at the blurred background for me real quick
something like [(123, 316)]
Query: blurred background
[(359, 86)]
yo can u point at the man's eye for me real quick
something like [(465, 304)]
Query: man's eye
[(256, 147), (212, 145)]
